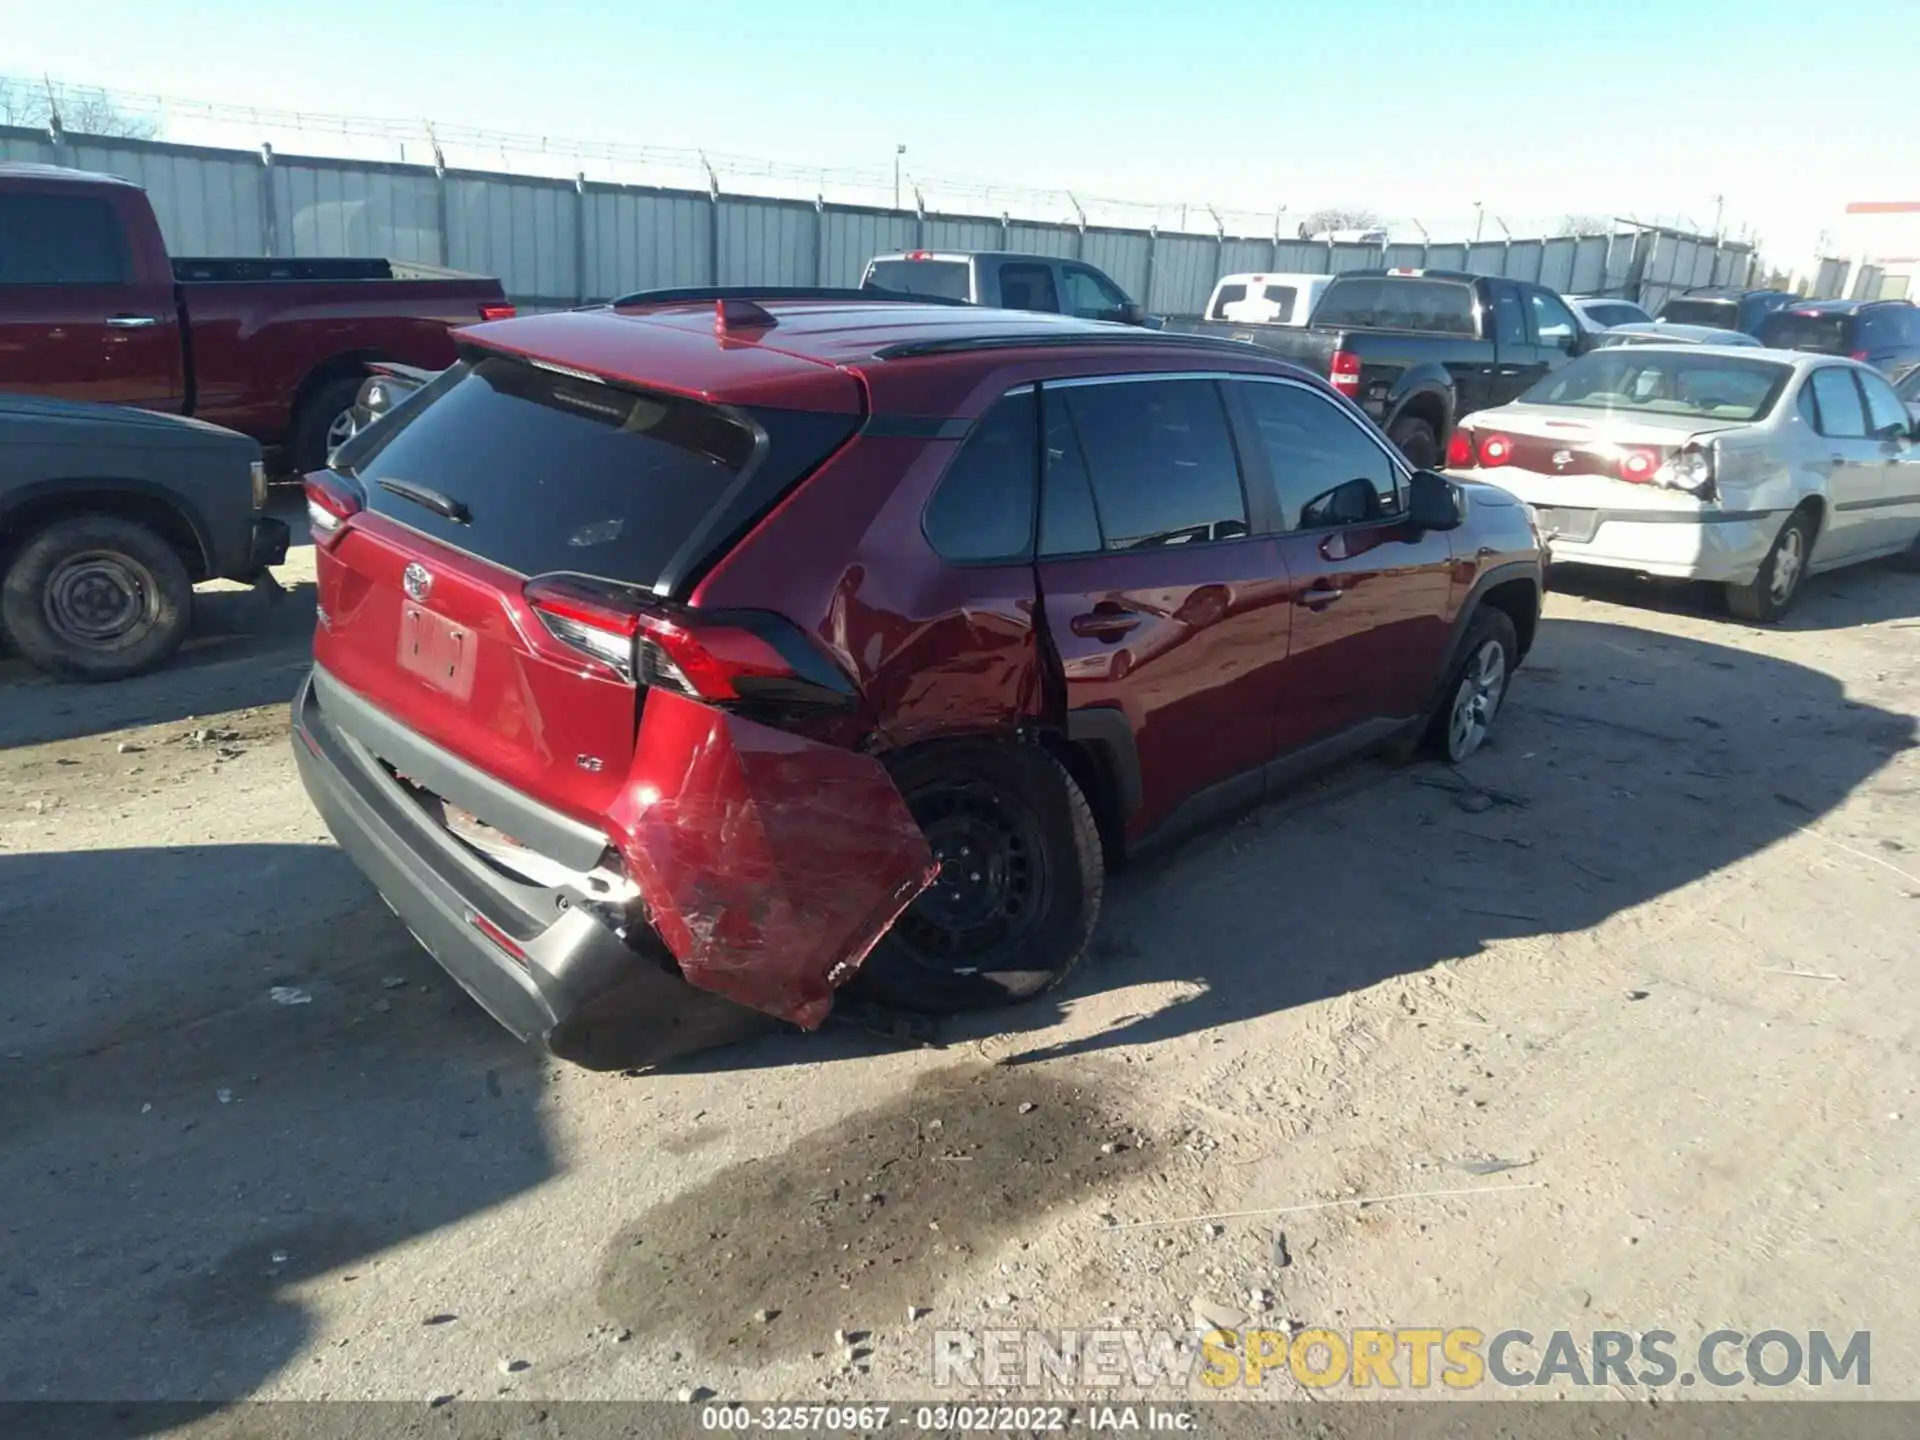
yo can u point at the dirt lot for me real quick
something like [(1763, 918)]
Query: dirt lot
[(1654, 946)]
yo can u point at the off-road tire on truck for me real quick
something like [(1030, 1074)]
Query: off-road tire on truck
[(314, 427), (1019, 894), (1414, 438), (95, 597)]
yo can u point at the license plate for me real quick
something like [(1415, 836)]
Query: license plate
[(1559, 523), (437, 650)]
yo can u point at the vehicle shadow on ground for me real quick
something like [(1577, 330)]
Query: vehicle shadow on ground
[(1867, 594), (181, 1150), (1628, 763)]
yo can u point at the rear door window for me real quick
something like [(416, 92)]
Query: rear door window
[(60, 240), (1510, 322), (1836, 401), (983, 507), (546, 472), (1027, 286), (1283, 297), (1717, 314), (1398, 302), (1092, 296), (1884, 410), (1553, 323), (1161, 462), (941, 279)]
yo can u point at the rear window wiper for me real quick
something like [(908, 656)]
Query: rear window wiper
[(433, 500)]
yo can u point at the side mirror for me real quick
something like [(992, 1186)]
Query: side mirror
[(1133, 313), (1434, 502)]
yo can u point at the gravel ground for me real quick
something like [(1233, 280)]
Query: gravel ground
[(1637, 976)]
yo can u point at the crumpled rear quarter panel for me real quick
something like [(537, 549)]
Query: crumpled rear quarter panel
[(770, 864)]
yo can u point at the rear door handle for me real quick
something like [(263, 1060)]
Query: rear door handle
[(1103, 624), (133, 322), (1509, 369), (1320, 596)]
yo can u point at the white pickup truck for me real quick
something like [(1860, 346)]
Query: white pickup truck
[(1266, 299)]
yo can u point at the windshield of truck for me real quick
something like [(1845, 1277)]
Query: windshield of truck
[(1398, 302), (943, 279), (1641, 381), (1815, 330)]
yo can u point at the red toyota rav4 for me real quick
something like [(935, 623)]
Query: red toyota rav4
[(714, 650)]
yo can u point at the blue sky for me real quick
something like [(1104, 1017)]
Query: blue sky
[(1411, 110)]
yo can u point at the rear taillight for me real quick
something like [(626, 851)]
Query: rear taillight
[(1859, 355), (331, 502), (1460, 450), (497, 311), (718, 659), (1638, 464), (1343, 372), (1496, 450)]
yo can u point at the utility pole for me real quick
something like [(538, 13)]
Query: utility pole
[(898, 151)]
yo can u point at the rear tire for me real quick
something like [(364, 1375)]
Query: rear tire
[(96, 597), (325, 420), (1777, 585), (1476, 687), (1020, 886), (1415, 439)]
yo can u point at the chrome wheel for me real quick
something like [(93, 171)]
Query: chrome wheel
[(98, 597), (1789, 564), (1475, 703), (340, 431)]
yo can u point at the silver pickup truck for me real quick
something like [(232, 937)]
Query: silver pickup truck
[(1008, 281)]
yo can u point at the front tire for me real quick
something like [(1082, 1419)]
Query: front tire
[(96, 597), (1774, 589), (1475, 688), (1015, 904), (1415, 439)]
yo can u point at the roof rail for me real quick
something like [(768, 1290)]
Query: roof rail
[(707, 294), (1040, 339)]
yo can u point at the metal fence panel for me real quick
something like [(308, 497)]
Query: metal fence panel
[(766, 244), (518, 230), (1485, 257), (1446, 257), (1349, 255), (1556, 264), (1866, 283), (1524, 258), (1300, 257), (1123, 255), (1182, 274), (1621, 250), (962, 232), (1238, 257), (1587, 272), (1042, 239), (1404, 257), (330, 210), (645, 240), (856, 236)]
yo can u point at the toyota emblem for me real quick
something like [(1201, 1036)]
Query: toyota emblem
[(416, 580), (1562, 459)]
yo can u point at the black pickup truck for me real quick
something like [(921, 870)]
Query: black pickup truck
[(1417, 349)]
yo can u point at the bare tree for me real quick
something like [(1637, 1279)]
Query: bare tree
[(81, 112), (1587, 224), (1338, 217)]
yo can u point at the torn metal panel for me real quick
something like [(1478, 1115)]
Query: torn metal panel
[(770, 864)]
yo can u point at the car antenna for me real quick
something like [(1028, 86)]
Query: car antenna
[(732, 315)]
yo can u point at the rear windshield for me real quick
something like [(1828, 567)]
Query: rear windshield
[(554, 473), (1795, 330), (1283, 296), (1637, 380), (1398, 302), (1719, 314), (944, 279), (1227, 295)]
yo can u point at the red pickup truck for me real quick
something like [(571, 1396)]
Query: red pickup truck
[(93, 308)]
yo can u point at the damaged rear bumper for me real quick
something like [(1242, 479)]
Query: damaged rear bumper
[(546, 961)]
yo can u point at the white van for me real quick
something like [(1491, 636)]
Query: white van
[(1266, 299)]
